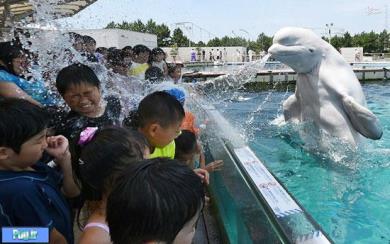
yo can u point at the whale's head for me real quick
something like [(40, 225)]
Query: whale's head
[(299, 48)]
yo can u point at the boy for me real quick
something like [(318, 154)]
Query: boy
[(80, 88), (160, 201), (188, 149), (158, 118), (30, 193)]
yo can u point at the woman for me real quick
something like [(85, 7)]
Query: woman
[(12, 83)]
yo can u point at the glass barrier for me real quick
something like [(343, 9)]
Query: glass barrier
[(252, 205)]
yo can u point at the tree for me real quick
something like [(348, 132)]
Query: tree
[(111, 25), (383, 39), (215, 42), (174, 51), (179, 38), (347, 40), (163, 35), (264, 41), (162, 31), (201, 44)]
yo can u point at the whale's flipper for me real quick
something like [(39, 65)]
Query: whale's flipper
[(362, 119), (291, 109)]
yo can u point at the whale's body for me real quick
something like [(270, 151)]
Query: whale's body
[(327, 90)]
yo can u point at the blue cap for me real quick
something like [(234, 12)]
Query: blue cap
[(178, 94)]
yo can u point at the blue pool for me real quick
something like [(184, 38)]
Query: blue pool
[(350, 197)]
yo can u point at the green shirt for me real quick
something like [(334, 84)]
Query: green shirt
[(166, 152)]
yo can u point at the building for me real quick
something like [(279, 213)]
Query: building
[(119, 38), (211, 54)]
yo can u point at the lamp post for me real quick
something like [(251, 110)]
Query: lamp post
[(329, 27), (247, 44)]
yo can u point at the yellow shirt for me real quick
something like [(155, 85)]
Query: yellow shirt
[(138, 70), (166, 152)]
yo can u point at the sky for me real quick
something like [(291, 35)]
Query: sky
[(244, 18)]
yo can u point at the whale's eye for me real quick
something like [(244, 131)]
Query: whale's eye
[(311, 50)]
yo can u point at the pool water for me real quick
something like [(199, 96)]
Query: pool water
[(350, 197)]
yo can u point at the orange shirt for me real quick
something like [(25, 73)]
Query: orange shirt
[(189, 123)]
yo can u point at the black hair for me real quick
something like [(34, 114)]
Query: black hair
[(75, 37), (9, 51), (20, 120), (101, 50), (152, 201), (154, 74), (186, 143), (89, 40), (172, 68), (75, 74), (4, 47), (157, 50), (97, 163), (137, 49), (127, 49), (159, 107), (115, 57)]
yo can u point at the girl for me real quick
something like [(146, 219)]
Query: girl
[(174, 73), (158, 56), (98, 158), (140, 62)]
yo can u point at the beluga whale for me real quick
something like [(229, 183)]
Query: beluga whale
[(327, 94)]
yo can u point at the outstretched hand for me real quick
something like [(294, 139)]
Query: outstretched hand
[(214, 166)]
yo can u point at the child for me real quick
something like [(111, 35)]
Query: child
[(80, 88), (158, 118), (140, 61), (155, 201), (115, 61), (189, 125), (90, 48), (189, 119), (174, 73), (127, 53), (158, 61), (100, 156), (30, 191), (188, 150), (154, 75)]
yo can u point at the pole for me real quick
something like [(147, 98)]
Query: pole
[(386, 17)]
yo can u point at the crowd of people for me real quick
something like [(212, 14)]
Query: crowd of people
[(133, 178)]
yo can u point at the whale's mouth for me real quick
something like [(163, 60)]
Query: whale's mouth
[(285, 51)]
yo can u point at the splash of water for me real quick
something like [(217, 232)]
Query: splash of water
[(51, 45), (220, 87)]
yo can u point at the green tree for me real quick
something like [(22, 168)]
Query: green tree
[(111, 25), (174, 51), (347, 40), (383, 39), (215, 42), (264, 41), (201, 44), (179, 38)]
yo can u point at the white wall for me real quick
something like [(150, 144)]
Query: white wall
[(352, 54), (119, 38), (233, 54)]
